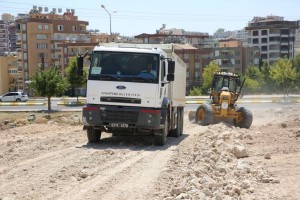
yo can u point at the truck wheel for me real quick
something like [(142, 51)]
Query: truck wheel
[(160, 137), (244, 118), (93, 135), (181, 120), (176, 132), (204, 115)]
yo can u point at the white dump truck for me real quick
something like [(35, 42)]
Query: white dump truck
[(134, 89)]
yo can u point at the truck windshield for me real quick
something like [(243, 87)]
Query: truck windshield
[(121, 66)]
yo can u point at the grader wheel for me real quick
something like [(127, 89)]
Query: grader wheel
[(244, 118), (204, 115)]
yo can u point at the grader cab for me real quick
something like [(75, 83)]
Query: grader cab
[(224, 92)]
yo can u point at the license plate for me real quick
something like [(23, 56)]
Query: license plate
[(118, 125)]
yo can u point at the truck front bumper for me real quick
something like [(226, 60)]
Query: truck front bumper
[(121, 117)]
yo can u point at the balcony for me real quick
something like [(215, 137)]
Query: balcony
[(56, 49), (56, 56)]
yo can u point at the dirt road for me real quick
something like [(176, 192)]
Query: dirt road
[(52, 160)]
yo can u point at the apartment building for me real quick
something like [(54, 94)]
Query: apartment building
[(297, 41), (40, 34), (191, 56), (274, 36), (232, 56), (9, 73), (167, 36), (70, 50), (3, 37)]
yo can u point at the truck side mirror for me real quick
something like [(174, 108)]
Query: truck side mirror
[(171, 67), (79, 66), (170, 77)]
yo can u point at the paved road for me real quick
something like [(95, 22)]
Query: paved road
[(258, 102)]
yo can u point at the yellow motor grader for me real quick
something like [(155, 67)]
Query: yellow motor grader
[(224, 92)]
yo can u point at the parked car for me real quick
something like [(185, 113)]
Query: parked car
[(14, 96)]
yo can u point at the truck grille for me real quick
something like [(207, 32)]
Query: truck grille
[(120, 100), (129, 117)]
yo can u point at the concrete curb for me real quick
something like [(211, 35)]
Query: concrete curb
[(22, 103), (70, 103)]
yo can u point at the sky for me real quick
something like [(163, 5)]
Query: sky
[(134, 17)]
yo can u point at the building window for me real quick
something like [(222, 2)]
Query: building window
[(237, 62), (39, 65), (74, 28), (186, 56), (41, 36), (24, 37), (274, 39), (264, 56), (264, 48), (255, 40), (197, 65), (46, 27), (39, 55), (264, 32), (12, 71), (255, 33), (25, 66), (25, 56), (264, 40), (24, 46), (60, 27), (23, 27), (40, 27), (284, 31), (41, 45)]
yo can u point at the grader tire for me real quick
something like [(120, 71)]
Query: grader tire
[(244, 119), (204, 115)]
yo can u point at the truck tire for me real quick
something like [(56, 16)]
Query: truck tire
[(204, 115), (160, 137), (244, 118), (93, 135), (177, 131), (181, 120)]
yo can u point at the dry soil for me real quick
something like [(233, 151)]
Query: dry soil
[(48, 157)]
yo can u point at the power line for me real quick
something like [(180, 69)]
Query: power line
[(146, 15)]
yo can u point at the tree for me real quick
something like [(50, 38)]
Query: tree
[(73, 79), (296, 65), (284, 74), (251, 85), (254, 79), (195, 91), (49, 83), (208, 75)]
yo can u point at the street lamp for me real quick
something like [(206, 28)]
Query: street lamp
[(109, 17)]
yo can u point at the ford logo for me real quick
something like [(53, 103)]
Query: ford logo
[(121, 87)]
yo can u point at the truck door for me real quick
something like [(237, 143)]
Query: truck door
[(163, 74)]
